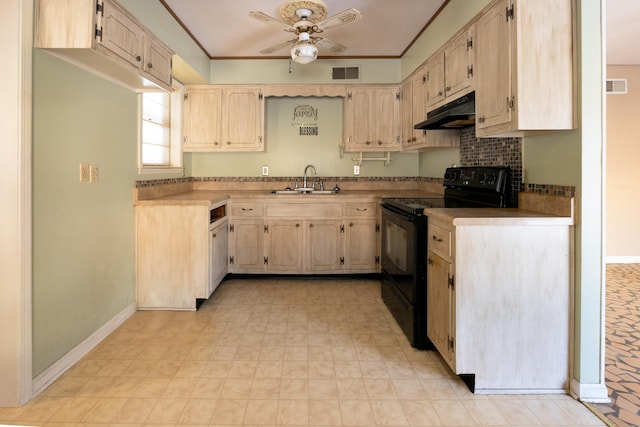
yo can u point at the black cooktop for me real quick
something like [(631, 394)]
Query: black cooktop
[(415, 205)]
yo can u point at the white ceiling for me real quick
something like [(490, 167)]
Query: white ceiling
[(224, 29)]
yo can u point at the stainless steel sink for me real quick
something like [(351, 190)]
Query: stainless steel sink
[(299, 191)]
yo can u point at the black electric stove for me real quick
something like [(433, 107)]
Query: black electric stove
[(404, 241)]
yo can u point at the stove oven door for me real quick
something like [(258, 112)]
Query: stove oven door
[(398, 251)]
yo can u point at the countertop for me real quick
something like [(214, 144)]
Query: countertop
[(496, 216), (213, 197)]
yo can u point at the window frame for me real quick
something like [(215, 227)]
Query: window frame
[(176, 165)]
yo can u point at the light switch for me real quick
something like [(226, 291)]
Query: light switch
[(265, 170), (356, 169), (84, 172), (93, 173)]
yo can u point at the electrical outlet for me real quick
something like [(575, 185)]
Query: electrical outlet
[(265, 170), (356, 169), (93, 173), (84, 172)]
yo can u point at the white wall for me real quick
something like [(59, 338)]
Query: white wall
[(623, 173)]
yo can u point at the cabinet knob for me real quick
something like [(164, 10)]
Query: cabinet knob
[(297, 225), (216, 143), (447, 89), (368, 142), (149, 65), (138, 58), (440, 93), (228, 142), (380, 142), (310, 225)]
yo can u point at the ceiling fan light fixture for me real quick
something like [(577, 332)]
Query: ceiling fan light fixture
[(304, 52)]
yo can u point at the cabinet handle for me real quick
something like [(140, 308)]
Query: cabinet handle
[(429, 261), (480, 119), (214, 235), (440, 93), (247, 209), (138, 58), (361, 209), (350, 224), (436, 238), (447, 89)]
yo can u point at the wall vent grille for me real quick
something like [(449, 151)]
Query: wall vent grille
[(616, 86), (346, 73)]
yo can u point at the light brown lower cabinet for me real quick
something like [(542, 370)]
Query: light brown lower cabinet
[(180, 256), (498, 302), (304, 236)]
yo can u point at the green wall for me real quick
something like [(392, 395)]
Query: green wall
[(287, 153), (83, 233)]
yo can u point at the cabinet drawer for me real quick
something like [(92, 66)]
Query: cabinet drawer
[(361, 209), (304, 210), (439, 240), (247, 209)]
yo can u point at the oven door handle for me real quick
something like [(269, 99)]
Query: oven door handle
[(397, 214)]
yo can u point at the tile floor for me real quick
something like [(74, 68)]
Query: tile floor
[(272, 353), (622, 358)]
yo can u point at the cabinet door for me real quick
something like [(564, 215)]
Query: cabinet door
[(458, 60), (218, 255), (419, 95), (246, 253), (359, 117), (323, 245), (439, 305), (406, 96), (157, 60), (386, 120), (435, 80), (493, 79), (243, 119), (284, 246), (121, 35), (361, 245), (202, 119)]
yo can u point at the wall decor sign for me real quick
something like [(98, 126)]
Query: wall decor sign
[(305, 118)]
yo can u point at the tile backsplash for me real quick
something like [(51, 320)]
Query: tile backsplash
[(493, 152)]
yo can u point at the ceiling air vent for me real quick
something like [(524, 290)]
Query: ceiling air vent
[(616, 86), (346, 73)]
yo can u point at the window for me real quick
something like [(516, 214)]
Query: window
[(160, 124)]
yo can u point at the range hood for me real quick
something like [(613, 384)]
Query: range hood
[(456, 114)]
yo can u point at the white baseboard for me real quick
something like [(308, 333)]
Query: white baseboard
[(622, 260), (593, 393), (63, 364)]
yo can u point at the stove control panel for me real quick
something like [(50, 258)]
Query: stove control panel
[(489, 178)]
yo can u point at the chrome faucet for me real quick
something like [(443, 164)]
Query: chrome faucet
[(304, 178)]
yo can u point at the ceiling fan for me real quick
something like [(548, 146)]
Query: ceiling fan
[(305, 18)]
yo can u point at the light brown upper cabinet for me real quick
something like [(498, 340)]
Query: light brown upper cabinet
[(525, 68), (413, 94), (372, 118), (450, 70), (219, 118), (106, 38)]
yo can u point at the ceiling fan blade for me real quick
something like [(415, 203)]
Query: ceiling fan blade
[(278, 46), (260, 16), (329, 45), (344, 17)]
